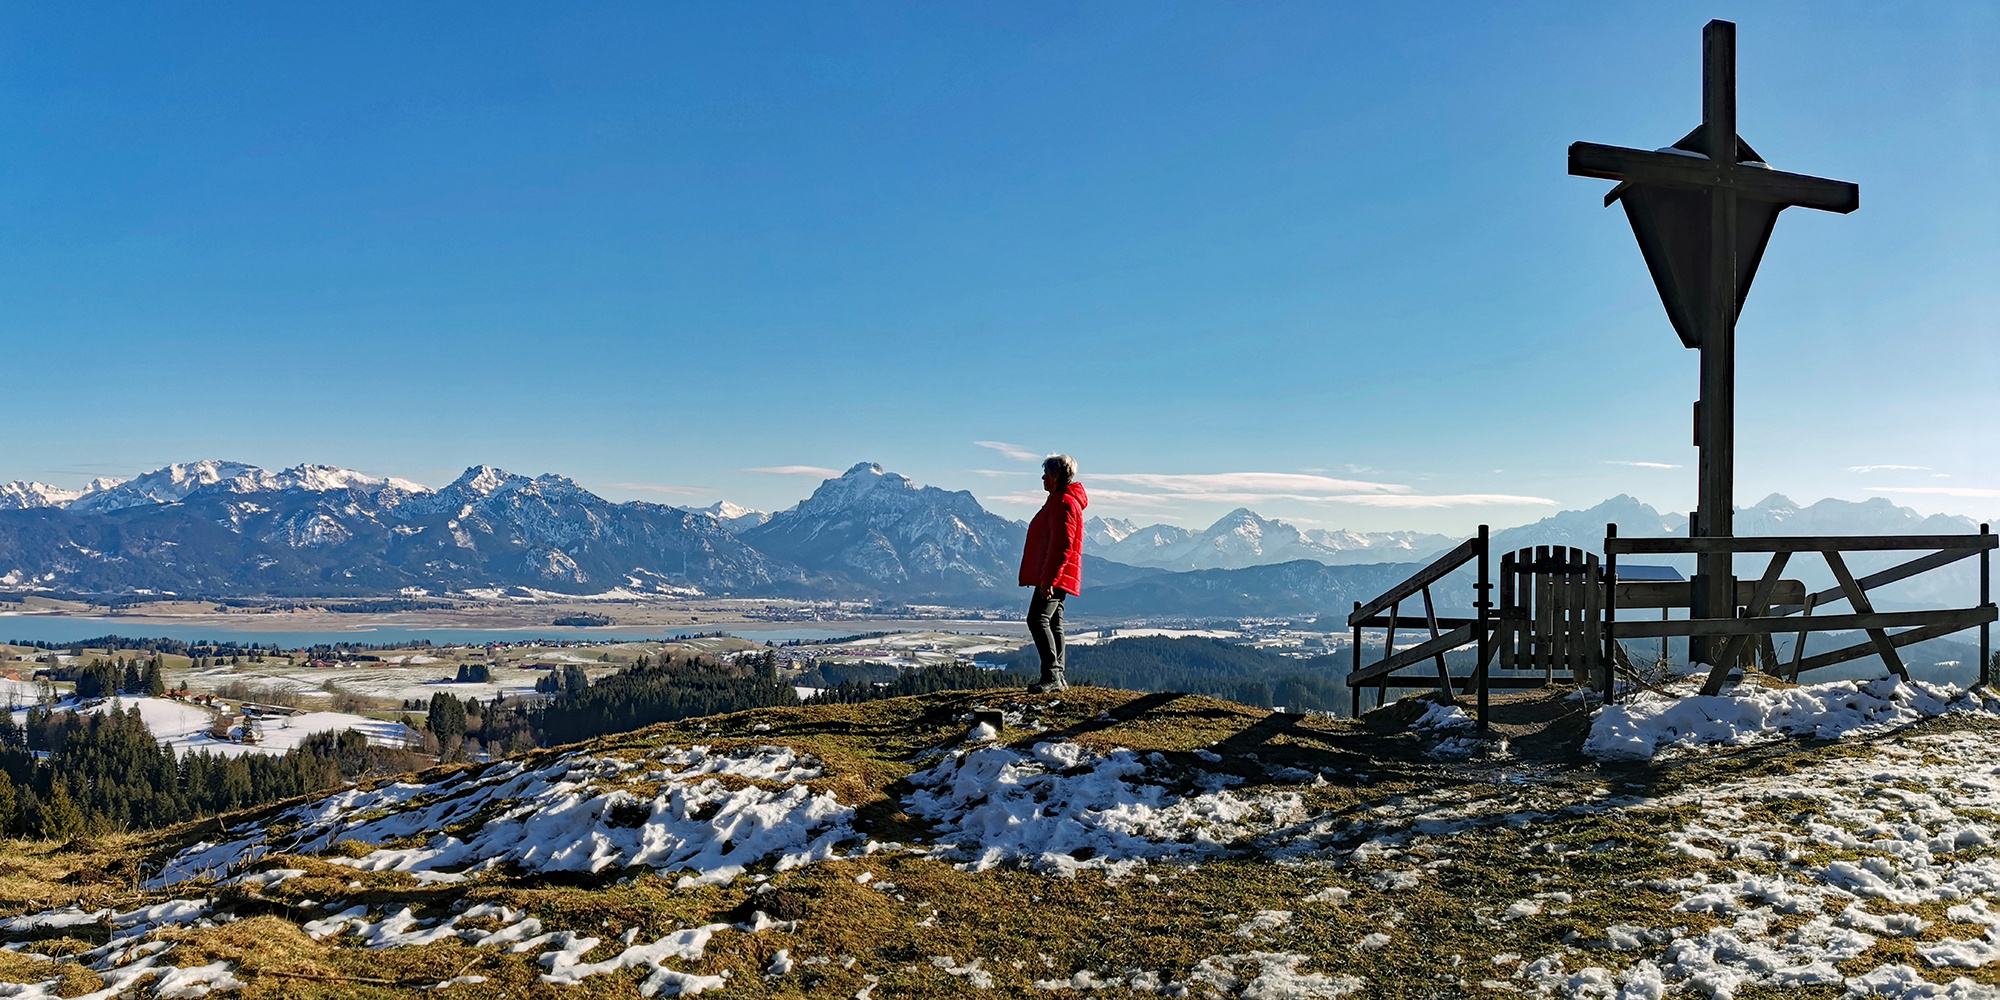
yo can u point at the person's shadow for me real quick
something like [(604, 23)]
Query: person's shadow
[(1127, 712)]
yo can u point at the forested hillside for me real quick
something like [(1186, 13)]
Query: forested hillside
[(1205, 666)]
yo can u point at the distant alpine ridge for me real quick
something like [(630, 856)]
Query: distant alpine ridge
[(225, 529), (1242, 539), (217, 529)]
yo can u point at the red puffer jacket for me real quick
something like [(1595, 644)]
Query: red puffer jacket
[(1054, 553)]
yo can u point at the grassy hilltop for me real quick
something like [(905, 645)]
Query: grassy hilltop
[(1100, 841)]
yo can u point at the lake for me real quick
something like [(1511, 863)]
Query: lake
[(61, 629)]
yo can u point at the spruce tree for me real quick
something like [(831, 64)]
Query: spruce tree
[(10, 805), (447, 716), (61, 817)]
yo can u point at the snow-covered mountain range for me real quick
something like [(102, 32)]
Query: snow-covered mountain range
[(882, 527), (219, 529), (1241, 539), (23, 495), (226, 528), (736, 518)]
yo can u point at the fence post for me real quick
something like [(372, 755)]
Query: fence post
[(1483, 609), (1355, 691), (1985, 598), (1610, 612)]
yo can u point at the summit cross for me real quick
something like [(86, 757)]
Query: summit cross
[(1703, 211)]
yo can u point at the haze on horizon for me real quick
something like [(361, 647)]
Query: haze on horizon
[(1324, 264)]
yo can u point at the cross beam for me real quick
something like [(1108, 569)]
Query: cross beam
[(1702, 210), (1683, 170)]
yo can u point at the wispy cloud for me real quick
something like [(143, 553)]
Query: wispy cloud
[(797, 470), (1444, 500), (679, 491), (1233, 484), (1014, 451), (1245, 488), (1641, 465), (1881, 468), (1108, 497), (1948, 491)]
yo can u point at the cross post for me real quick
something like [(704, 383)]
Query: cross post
[(1703, 210)]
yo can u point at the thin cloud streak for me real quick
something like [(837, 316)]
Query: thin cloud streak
[(1249, 483), (1897, 468), (679, 491), (798, 470), (1949, 491), (1445, 500), (1641, 465), (1248, 488), (1014, 451), (1097, 498)]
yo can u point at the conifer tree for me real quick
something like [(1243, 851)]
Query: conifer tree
[(447, 716), (10, 805), (61, 817)]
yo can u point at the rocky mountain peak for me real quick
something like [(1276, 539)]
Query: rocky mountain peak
[(23, 495), (485, 480), (882, 528), (1107, 530), (734, 517), (171, 484)]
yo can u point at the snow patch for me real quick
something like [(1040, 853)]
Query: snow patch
[(576, 813), (1652, 723)]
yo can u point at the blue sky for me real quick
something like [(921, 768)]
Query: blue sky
[(1203, 248)]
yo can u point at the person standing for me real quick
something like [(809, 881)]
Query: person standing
[(1052, 563)]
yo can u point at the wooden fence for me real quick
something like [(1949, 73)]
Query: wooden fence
[(1762, 611), (1557, 614), (1445, 633)]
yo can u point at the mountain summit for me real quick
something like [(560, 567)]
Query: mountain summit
[(224, 528), (881, 530), (1242, 538)]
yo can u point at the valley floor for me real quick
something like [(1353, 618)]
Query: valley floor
[(1097, 843)]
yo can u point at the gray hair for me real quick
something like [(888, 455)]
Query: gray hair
[(1062, 467)]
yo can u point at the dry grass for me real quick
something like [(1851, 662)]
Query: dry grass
[(1446, 928)]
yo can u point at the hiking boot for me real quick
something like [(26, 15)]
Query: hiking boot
[(1049, 682)]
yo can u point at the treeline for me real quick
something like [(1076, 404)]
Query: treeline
[(923, 680), (665, 690), (104, 678), (176, 647), (1211, 667), (63, 774), (349, 607), (212, 648), (649, 691)]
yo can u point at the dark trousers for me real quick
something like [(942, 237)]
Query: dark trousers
[(1046, 625)]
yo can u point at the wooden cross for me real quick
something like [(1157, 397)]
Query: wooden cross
[(1702, 210)]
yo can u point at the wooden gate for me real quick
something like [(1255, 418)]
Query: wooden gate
[(1551, 617)]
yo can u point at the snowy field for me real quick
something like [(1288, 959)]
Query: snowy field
[(415, 682), (912, 649), (186, 727), (15, 692), (1870, 867)]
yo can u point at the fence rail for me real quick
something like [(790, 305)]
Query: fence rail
[(1768, 610), (1445, 633), (1558, 612)]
